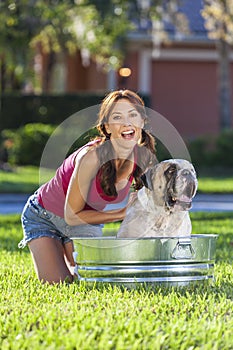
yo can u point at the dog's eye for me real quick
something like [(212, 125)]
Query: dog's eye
[(170, 171)]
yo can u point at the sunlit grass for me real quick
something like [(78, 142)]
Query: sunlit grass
[(215, 185), (22, 179), (39, 316), (27, 179)]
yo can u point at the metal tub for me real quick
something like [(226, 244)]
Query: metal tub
[(171, 261)]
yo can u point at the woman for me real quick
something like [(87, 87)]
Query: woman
[(101, 172)]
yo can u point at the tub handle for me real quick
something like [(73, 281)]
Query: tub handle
[(183, 250)]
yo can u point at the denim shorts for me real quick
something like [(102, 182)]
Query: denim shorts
[(38, 222)]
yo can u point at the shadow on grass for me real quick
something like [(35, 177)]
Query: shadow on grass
[(224, 248), (11, 245), (199, 288), (19, 187), (10, 232)]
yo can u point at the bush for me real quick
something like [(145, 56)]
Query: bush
[(209, 151), (89, 135), (202, 151), (225, 148), (161, 151), (19, 110), (28, 143)]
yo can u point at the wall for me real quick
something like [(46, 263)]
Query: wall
[(186, 94)]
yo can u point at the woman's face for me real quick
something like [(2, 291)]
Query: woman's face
[(125, 122)]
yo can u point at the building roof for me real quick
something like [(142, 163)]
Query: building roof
[(191, 9)]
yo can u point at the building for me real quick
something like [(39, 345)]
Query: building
[(180, 77)]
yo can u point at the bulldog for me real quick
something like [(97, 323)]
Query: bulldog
[(161, 207)]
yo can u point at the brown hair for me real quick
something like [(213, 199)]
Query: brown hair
[(145, 150)]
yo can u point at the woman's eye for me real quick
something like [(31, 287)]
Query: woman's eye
[(116, 117), (133, 115)]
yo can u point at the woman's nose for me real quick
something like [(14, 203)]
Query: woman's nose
[(127, 120)]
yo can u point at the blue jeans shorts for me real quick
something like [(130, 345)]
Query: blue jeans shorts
[(38, 222)]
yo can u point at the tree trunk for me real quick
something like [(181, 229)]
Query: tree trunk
[(224, 81)]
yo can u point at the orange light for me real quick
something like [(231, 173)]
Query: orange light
[(125, 72)]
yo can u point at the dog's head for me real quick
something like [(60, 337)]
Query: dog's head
[(173, 184)]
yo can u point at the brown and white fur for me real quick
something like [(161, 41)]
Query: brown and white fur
[(161, 208)]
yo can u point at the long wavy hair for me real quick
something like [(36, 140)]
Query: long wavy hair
[(146, 154)]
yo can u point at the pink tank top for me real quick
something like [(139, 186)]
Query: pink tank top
[(52, 194)]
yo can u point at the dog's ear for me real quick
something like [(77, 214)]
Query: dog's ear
[(147, 179)]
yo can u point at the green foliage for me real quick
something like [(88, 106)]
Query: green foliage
[(206, 153), (218, 15), (58, 26), (18, 24), (49, 109), (28, 143), (83, 139), (212, 151), (224, 144), (97, 28), (161, 151), (78, 316)]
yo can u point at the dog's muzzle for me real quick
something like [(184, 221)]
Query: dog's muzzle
[(181, 200)]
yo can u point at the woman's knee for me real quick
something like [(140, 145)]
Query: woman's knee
[(49, 262)]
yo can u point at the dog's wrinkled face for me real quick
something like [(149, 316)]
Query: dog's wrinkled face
[(173, 182)]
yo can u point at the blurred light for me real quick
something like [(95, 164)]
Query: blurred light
[(118, 11), (125, 72), (113, 60)]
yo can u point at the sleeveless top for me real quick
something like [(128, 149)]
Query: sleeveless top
[(52, 194)]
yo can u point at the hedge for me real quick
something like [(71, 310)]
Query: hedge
[(28, 143), (18, 110)]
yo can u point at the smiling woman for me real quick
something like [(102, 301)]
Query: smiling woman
[(72, 203), (125, 122)]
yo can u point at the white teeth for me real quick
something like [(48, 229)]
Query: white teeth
[(127, 132)]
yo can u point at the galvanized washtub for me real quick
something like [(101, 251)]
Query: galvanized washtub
[(172, 261)]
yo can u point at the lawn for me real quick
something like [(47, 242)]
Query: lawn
[(22, 179), (39, 316), (26, 180)]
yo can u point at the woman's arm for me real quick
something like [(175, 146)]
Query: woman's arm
[(85, 170)]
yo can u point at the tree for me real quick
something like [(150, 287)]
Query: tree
[(59, 26), (95, 27), (218, 15), (17, 28)]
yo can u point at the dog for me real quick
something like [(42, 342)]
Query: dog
[(161, 207)]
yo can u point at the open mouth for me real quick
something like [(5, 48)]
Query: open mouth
[(128, 135), (182, 203)]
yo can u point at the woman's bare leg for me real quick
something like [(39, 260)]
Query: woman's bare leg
[(69, 249), (48, 257)]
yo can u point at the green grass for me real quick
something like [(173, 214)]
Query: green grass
[(26, 180), (21, 180), (39, 316), (215, 185)]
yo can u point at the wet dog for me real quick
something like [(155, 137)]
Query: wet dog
[(161, 208)]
